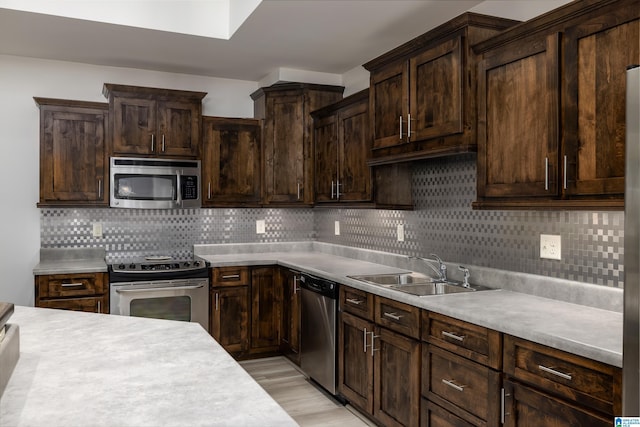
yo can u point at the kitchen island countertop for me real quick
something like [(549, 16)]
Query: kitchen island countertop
[(80, 369)]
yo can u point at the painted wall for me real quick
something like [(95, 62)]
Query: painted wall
[(23, 78)]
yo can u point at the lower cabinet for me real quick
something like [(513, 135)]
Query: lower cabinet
[(290, 319), (266, 308), (229, 320), (379, 368), (78, 292)]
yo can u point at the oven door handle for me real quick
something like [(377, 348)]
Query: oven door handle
[(173, 288)]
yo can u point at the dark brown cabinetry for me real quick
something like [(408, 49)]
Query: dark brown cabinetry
[(230, 308), (266, 309), (378, 368), (423, 93), (73, 162), (78, 292), (288, 138), (551, 126), (154, 122), (290, 325), (460, 371), (342, 145), (546, 386), (231, 165)]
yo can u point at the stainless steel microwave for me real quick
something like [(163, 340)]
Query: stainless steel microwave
[(154, 183)]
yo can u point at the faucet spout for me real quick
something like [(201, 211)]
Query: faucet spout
[(441, 270)]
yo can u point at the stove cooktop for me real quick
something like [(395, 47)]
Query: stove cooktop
[(157, 266)]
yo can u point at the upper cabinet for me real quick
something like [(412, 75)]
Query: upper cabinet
[(154, 122), (342, 145), (551, 129), (423, 93), (231, 167), (73, 162), (288, 138)]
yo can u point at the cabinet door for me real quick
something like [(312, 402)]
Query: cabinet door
[(388, 104), (290, 325), (94, 304), (326, 159), (231, 172), (178, 129), (134, 126), (435, 97), (266, 302), (230, 318), (596, 57), (284, 150), (354, 148), (355, 361), (397, 379), (518, 139), (525, 406), (72, 156)]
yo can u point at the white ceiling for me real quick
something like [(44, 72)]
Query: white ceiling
[(324, 36)]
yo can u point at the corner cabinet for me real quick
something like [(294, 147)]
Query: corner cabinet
[(231, 162), (291, 315), (154, 122), (551, 129), (342, 145), (288, 138), (423, 93), (73, 160)]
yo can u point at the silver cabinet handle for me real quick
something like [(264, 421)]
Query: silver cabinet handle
[(503, 408), (408, 127), (99, 307), (71, 285), (231, 276), (546, 173), (217, 301), (298, 190), (99, 188), (153, 143), (554, 372), (332, 190), (209, 191), (393, 316), (295, 285), (354, 301), (565, 172), (454, 336), (163, 142), (364, 340), (400, 128), (373, 337), (338, 189), (453, 385)]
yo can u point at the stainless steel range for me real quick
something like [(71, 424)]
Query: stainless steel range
[(161, 288)]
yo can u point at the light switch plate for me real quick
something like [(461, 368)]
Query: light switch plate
[(400, 232), (97, 229), (550, 246), (337, 228), (260, 227)]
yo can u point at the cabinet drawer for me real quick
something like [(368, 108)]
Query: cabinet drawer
[(98, 304), (432, 415), (449, 379), (356, 302), (465, 339), (70, 285), (231, 276), (587, 382), (397, 316)]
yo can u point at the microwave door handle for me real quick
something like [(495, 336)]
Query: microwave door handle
[(179, 189)]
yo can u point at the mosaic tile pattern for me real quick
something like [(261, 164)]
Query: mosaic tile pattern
[(442, 222)]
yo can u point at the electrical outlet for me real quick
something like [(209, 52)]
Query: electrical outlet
[(260, 227), (97, 229), (550, 246), (337, 228), (400, 232)]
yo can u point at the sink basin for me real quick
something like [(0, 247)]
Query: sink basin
[(418, 284)]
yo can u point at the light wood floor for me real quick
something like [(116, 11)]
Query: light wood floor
[(306, 403)]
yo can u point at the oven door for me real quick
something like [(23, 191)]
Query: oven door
[(184, 300)]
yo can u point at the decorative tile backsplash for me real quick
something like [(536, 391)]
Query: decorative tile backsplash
[(442, 222)]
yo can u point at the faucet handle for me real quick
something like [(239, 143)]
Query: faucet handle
[(464, 269)]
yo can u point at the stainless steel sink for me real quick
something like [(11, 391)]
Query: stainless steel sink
[(418, 284)]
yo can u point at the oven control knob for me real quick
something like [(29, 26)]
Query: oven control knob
[(120, 266), (196, 263), (186, 264), (132, 266)]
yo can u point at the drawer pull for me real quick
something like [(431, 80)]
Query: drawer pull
[(451, 384), (554, 372), (393, 316), (453, 336), (71, 285), (354, 301), (230, 276)]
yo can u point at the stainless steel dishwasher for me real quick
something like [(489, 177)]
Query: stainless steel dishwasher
[(319, 311)]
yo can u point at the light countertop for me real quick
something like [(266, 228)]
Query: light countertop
[(81, 369)]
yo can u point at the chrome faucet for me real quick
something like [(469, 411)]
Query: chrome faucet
[(441, 271), (466, 275)]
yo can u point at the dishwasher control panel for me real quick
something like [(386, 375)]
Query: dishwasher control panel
[(319, 285)]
